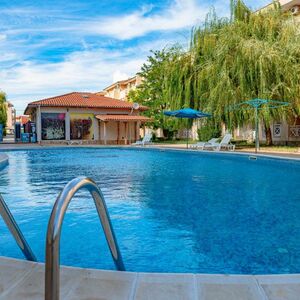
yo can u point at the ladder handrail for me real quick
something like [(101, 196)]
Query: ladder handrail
[(15, 230), (52, 274)]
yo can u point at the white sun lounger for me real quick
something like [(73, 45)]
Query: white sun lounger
[(200, 145), (145, 141), (75, 142), (225, 143)]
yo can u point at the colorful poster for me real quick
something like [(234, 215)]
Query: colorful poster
[(81, 126), (53, 126)]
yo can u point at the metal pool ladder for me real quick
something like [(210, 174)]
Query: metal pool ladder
[(52, 275), (15, 230)]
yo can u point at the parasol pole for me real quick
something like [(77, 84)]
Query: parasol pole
[(256, 130), (187, 134)]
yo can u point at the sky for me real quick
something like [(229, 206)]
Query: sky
[(49, 48)]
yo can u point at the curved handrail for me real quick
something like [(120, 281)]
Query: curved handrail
[(54, 232), (15, 230)]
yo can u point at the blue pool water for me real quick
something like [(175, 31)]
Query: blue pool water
[(171, 211)]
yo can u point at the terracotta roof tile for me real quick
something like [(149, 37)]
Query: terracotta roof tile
[(123, 118), (82, 99)]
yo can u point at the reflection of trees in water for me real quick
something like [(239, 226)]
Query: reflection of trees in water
[(80, 128)]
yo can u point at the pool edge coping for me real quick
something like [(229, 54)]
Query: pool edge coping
[(3, 160), (279, 156), (191, 285)]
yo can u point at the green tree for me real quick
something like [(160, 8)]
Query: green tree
[(229, 61), (250, 55), (152, 89), (3, 114)]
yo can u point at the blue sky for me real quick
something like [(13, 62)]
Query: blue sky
[(53, 47)]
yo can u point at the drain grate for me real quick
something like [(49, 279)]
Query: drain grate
[(252, 157)]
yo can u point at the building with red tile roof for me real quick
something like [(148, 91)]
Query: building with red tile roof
[(86, 116)]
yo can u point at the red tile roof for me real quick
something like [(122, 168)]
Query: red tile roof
[(82, 99), (123, 118), (22, 119)]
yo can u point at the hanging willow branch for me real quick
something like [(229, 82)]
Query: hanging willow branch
[(250, 55)]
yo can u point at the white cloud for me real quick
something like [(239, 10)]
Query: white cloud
[(3, 37), (87, 70), (80, 71), (118, 75), (25, 76), (181, 14)]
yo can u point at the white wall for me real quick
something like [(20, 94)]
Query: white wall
[(112, 131)]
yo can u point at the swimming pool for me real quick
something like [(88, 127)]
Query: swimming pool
[(172, 211)]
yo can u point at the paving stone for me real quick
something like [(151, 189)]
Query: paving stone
[(12, 271), (104, 285), (31, 287), (222, 287), (280, 287), (165, 286)]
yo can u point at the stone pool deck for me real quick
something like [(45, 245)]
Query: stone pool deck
[(22, 280)]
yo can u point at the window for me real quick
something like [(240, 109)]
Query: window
[(81, 126), (53, 126)]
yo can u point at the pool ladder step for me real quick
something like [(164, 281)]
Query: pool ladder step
[(52, 265), (15, 230)]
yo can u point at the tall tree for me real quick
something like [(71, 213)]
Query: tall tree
[(250, 55), (151, 90), (3, 114)]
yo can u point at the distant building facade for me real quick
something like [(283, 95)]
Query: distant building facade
[(11, 117), (120, 89), (22, 119), (286, 5)]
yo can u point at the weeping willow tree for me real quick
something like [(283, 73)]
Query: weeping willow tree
[(249, 55)]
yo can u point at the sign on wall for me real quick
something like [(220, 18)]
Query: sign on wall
[(53, 126), (81, 126), (277, 128)]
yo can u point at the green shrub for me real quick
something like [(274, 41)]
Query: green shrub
[(209, 130)]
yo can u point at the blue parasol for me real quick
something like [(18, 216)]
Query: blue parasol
[(187, 113)]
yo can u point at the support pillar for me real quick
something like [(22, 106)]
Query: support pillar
[(118, 133), (68, 130), (39, 124), (129, 132), (126, 133), (135, 130), (104, 132)]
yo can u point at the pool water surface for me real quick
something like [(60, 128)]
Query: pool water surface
[(172, 211)]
